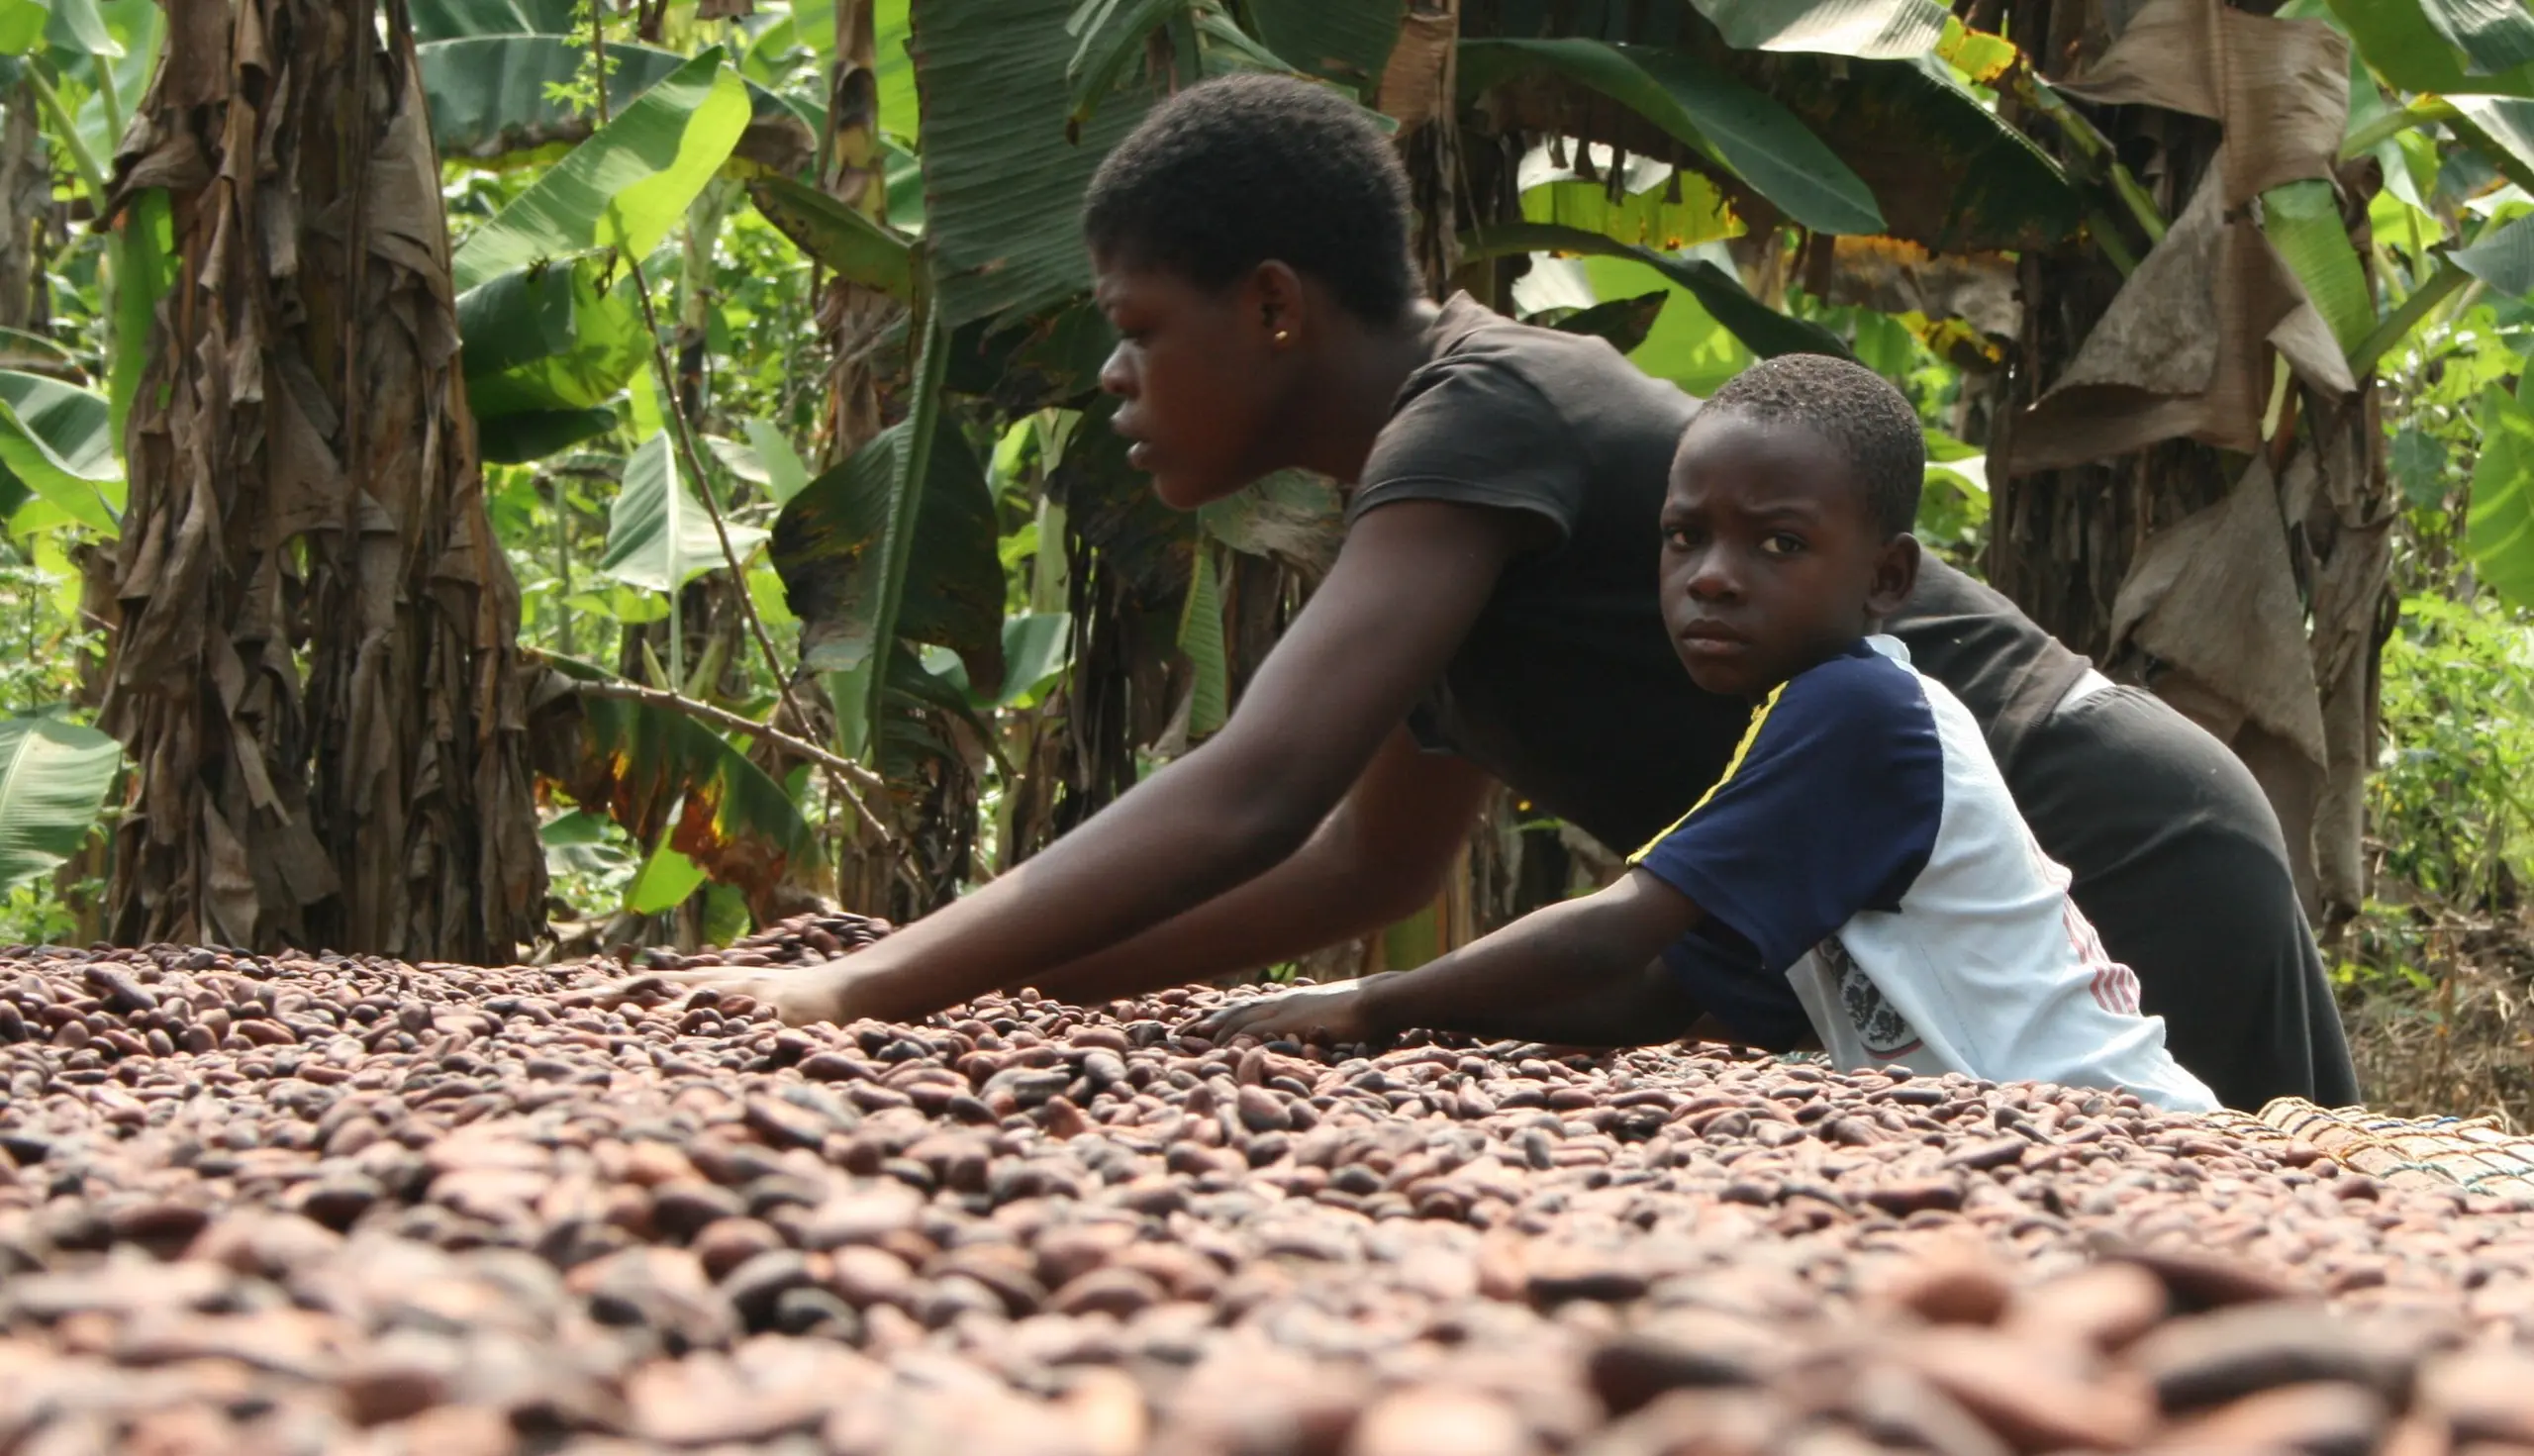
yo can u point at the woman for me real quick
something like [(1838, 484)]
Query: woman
[(1492, 616)]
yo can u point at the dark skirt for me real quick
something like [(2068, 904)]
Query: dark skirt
[(2179, 862)]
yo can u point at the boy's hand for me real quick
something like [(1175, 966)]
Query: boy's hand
[(1334, 1014)]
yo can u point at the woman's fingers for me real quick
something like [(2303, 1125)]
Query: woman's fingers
[(1231, 1018), (671, 985), (649, 986)]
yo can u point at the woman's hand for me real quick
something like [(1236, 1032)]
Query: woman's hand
[(1326, 1014), (800, 995)]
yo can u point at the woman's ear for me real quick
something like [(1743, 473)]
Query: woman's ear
[(1896, 575), (1277, 294)]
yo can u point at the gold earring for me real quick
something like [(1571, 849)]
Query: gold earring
[(1284, 335)]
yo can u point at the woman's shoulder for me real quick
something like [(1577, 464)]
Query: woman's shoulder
[(1469, 336), (1493, 377)]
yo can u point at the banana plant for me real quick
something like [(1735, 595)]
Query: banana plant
[(691, 799), (57, 462), (53, 778)]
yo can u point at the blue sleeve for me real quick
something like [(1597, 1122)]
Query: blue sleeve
[(1829, 807), (1724, 976)]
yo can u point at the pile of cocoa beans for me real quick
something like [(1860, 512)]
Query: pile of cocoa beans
[(321, 1203)]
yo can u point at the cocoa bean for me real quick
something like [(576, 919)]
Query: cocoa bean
[(338, 1201)]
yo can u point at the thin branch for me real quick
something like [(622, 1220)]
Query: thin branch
[(675, 408), (82, 161), (738, 722)]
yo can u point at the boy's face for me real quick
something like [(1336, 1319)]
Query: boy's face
[(1772, 560)]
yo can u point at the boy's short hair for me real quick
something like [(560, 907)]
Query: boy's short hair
[(1236, 171), (1856, 410)]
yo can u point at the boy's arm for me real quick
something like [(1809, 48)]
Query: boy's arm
[(1574, 972), (1647, 1009)]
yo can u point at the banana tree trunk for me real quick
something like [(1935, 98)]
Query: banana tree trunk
[(314, 668), (26, 199), (2067, 542)]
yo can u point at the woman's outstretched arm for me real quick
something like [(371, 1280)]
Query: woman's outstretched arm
[(1377, 858), (1407, 585)]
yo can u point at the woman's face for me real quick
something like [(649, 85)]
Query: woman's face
[(1195, 373)]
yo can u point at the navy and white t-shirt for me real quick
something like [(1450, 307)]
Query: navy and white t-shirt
[(1863, 846)]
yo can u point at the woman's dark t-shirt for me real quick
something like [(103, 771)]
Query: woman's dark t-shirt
[(1567, 687)]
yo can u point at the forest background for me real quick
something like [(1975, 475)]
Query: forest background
[(503, 478)]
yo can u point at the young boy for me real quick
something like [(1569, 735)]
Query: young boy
[(1860, 843)]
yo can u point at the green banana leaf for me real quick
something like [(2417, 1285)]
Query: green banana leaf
[(2503, 258), (1037, 647), (1108, 37), (663, 882), (2503, 131), (2495, 35), (1147, 547), (828, 543), (22, 26), (77, 27), (1760, 141), (1872, 30), (56, 444), (496, 99), (855, 248), (450, 19), (641, 765), (1952, 175), (1682, 211), (628, 185), (143, 250), (1764, 329), (524, 319), (530, 436), (1342, 40), (658, 536), (2400, 44), (53, 777), (1003, 183), (2498, 533), (1200, 640), (1049, 361), (546, 352), (1624, 322), (785, 474), (2302, 221)]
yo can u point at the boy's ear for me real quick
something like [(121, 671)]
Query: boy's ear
[(1896, 575)]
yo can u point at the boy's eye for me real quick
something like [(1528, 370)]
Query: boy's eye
[(1780, 543), (1683, 538)]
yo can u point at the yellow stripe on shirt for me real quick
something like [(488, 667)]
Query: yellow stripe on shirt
[(1733, 765)]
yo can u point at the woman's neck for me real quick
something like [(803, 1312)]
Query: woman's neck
[(1346, 399)]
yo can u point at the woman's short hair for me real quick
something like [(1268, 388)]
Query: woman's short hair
[(1239, 170)]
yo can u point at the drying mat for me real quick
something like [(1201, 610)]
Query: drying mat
[(2450, 1152)]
